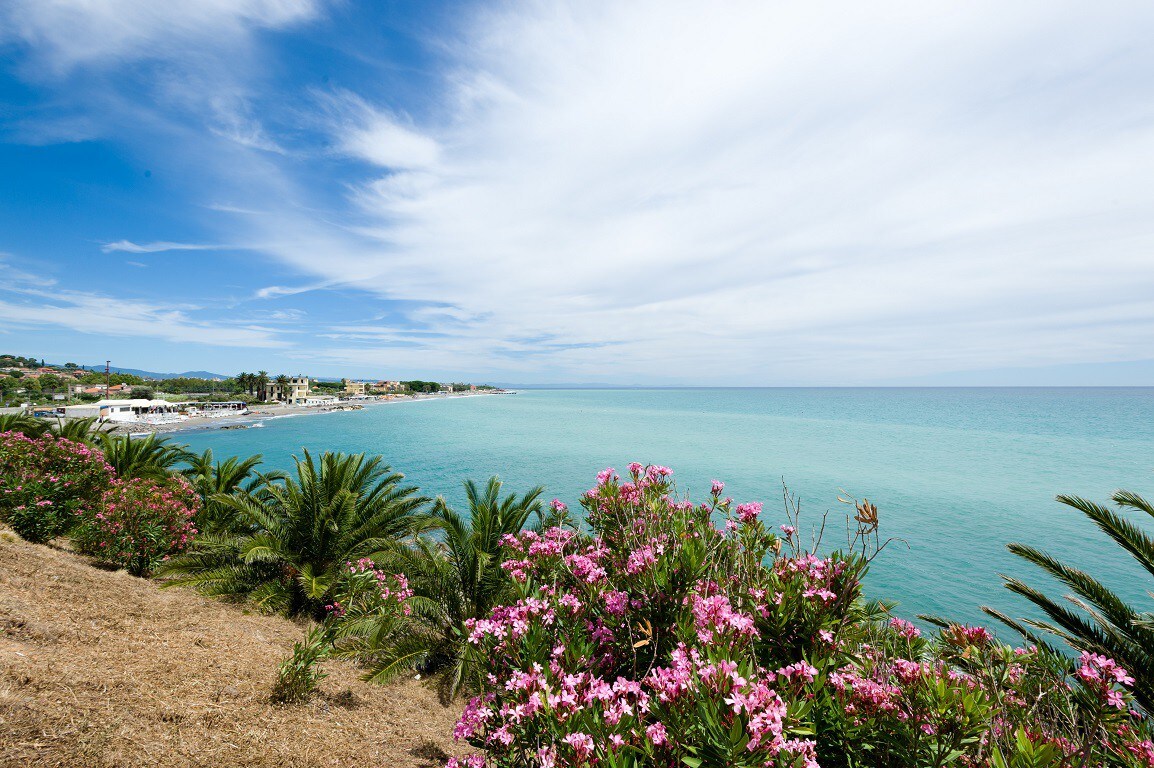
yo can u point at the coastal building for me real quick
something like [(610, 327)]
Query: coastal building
[(317, 400), (137, 409), (387, 386), (353, 387), (293, 392)]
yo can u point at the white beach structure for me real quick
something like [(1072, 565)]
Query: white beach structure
[(317, 400), (138, 409)]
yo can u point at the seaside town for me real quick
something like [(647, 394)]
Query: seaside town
[(144, 403)]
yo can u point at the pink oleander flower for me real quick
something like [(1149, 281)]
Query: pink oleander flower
[(616, 603), (905, 628), (748, 512), (582, 744)]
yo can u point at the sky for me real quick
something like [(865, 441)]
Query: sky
[(650, 192)]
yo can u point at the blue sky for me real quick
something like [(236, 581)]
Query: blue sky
[(637, 193)]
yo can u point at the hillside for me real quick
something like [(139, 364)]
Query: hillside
[(100, 669)]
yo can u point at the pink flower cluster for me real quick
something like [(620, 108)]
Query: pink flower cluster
[(657, 638), (368, 589), (140, 522), (1102, 675), (45, 483), (584, 644)]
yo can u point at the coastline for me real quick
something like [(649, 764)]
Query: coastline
[(262, 412)]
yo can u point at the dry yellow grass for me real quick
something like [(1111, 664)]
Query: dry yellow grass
[(101, 669)]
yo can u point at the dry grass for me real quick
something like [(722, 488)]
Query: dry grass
[(101, 669)]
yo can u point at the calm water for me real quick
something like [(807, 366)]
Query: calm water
[(956, 473)]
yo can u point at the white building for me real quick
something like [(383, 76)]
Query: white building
[(314, 400), (122, 410)]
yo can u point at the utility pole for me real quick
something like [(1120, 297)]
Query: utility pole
[(107, 377)]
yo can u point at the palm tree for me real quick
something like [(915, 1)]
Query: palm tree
[(79, 430), (152, 457), (261, 384), (300, 532), (1096, 620), (460, 576), (244, 381), (26, 425), (214, 478)]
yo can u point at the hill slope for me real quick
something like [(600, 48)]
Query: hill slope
[(101, 669)]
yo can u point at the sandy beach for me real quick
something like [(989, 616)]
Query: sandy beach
[(263, 411)]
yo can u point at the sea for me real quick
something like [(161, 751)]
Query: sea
[(956, 474)]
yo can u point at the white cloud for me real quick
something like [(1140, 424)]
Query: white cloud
[(674, 192), (158, 247), (377, 136), (110, 316), (70, 33), (758, 193), (28, 301)]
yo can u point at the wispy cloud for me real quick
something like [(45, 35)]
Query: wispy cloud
[(654, 191), (29, 302), (158, 247), (756, 193), (70, 33), (377, 136), (111, 316)]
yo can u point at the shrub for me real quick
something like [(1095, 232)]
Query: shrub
[(663, 639), (369, 620), (365, 621), (292, 537), (139, 522), (298, 676), (45, 483), (458, 576)]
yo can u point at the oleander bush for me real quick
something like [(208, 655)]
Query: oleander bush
[(139, 523), (692, 635), (47, 483)]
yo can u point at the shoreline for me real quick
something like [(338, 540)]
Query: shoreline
[(262, 412)]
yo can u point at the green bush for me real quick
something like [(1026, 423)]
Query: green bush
[(47, 483), (292, 537), (298, 676), (139, 523), (663, 639)]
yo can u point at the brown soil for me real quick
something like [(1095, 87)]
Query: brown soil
[(101, 669)]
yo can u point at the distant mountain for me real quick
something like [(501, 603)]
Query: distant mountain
[(155, 375)]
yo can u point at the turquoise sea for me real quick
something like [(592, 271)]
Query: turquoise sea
[(956, 473)]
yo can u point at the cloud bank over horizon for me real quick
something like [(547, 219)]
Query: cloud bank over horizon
[(644, 193)]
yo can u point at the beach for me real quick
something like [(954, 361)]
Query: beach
[(258, 413)]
